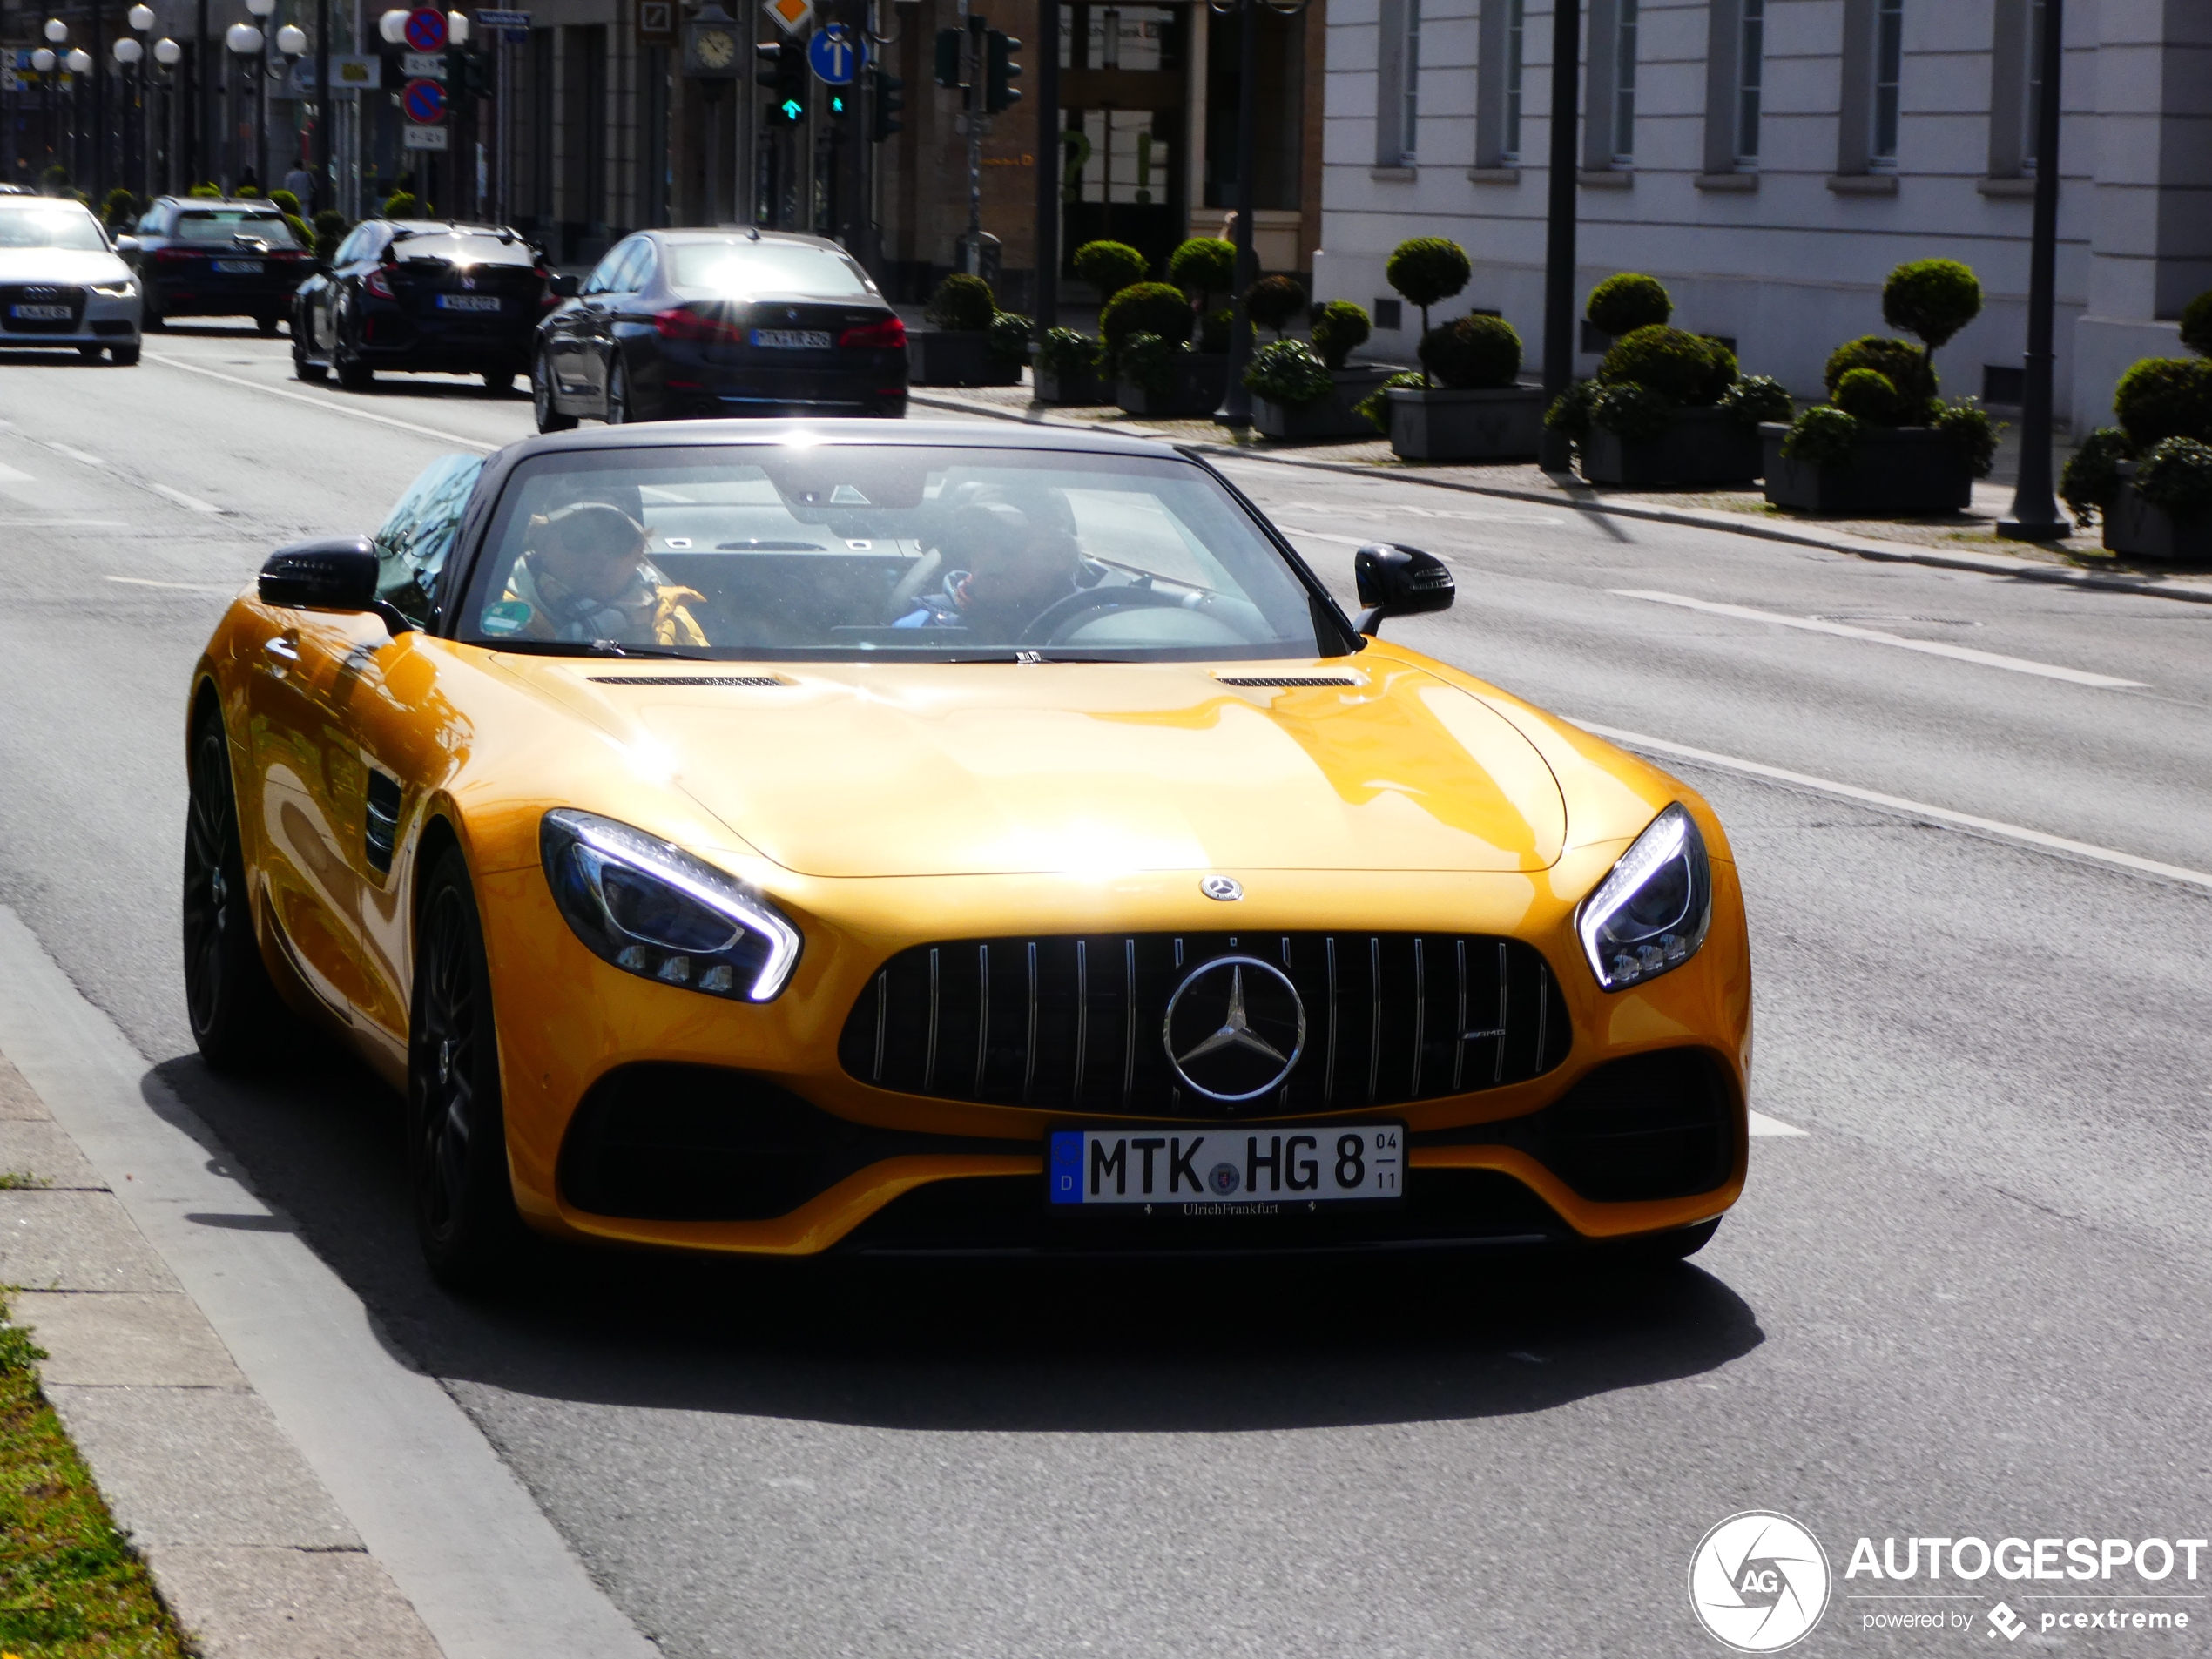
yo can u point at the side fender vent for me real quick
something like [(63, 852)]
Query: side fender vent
[(381, 830)]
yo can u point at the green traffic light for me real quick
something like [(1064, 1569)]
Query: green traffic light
[(792, 109)]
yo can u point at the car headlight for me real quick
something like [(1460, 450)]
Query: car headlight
[(1650, 913), (655, 911), (122, 290)]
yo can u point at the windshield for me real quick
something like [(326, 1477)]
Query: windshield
[(741, 266), (65, 227), (468, 248), (845, 552), (221, 225)]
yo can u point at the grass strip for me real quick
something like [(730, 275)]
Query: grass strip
[(70, 1585)]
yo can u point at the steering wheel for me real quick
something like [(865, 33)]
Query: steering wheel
[(1057, 619)]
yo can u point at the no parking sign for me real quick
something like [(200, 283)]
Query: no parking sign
[(426, 29), (424, 101)]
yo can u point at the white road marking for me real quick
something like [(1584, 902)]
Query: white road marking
[(182, 587), (1324, 536), (328, 405), (1844, 631), (63, 524), (1761, 1124), (1898, 803), (74, 455), (1353, 509), (183, 500)]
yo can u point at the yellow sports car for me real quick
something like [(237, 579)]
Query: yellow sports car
[(946, 837)]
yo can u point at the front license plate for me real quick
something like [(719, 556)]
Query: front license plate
[(469, 302), (792, 339), (39, 314), (238, 267), (1229, 1171)]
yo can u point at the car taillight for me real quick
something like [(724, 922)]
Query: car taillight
[(890, 334), (172, 255), (681, 322), (289, 255), (379, 282)]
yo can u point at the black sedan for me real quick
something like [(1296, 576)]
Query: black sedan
[(677, 324), (415, 295), (198, 257)]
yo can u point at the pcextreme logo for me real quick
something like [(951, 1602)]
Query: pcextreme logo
[(1758, 1582)]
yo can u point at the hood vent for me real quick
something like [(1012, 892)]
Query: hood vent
[(689, 679), (1286, 681)]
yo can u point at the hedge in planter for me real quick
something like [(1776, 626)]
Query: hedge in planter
[(1478, 414), (2164, 511), (966, 344), (1159, 378), (2134, 476), (1666, 409), (1068, 369), (1296, 394)]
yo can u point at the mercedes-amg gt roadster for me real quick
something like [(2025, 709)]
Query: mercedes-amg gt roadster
[(946, 837)]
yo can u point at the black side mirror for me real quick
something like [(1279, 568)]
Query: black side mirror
[(1399, 582), (562, 285), (337, 574)]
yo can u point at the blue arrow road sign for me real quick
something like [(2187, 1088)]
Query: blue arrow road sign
[(836, 56)]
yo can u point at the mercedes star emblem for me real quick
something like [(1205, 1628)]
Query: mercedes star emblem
[(1224, 887), (1234, 1028)]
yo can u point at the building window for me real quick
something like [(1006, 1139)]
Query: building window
[(1409, 74), (1516, 32), (1500, 26), (1750, 70), (1624, 82), (1889, 63), (1398, 80), (2033, 100)]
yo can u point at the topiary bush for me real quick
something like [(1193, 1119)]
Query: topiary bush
[(302, 232), (963, 303), (2177, 475), (1755, 398), (1473, 353), (1340, 329), (2165, 397), (2091, 482), (1428, 270), (1907, 369), (1869, 396), (1374, 408), (1065, 351), (1622, 304), (1821, 436), (401, 204), (205, 192), (1682, 367), (1969, 425), (1932, 298), (1150, 360), (120, 208), (284, 202), (1144, 308), (1204, 267), (331, 227), (1273, 300), (1288, 372), (1629, 410), (2196, 324), (1110, 267), (1214, 330), (1009, 337), (1570, 415)]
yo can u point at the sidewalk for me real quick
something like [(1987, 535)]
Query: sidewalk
[(1967, 542)]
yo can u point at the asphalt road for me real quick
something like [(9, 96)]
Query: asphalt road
[(1969, 1299)]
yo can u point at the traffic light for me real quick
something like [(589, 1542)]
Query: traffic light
[(780, 70), (476, 73), (890, 102), (948, 43), (1000, 71)]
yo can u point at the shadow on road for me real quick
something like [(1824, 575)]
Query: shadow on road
[(1034, 1346)]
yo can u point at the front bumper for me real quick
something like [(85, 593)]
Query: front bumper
[(855, 1160), (107, 319)]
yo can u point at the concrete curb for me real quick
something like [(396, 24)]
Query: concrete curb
[(1795, 535), (299, 1490)]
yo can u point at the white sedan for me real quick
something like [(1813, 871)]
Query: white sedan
[(61, 283)]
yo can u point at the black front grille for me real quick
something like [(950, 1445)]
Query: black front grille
[(40, 293), (1075, 1023)]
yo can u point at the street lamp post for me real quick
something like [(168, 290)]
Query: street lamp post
[(141, 19), (1236, 409), (62, 149), (261, 9), (130, 54), (291, 45), (244, 41), (1554, 453), (44, 61), (79, 64), (167, 53), (2035, 516)]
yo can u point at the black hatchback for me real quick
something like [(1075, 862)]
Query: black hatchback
[(679, 324), (200, 257), (415, 295)]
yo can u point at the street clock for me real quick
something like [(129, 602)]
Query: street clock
[(711, 44)]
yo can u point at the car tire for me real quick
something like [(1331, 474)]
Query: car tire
[(619, 411), (471, 1236), (150, 321), (549, 418), (90, 354), (353, 373), (126, 356), (230, 1002), (266, 321), (301, 368), (499, 381)]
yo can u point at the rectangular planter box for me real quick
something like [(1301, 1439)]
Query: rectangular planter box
[(1079, 387), (949, 357), (1332, 418), (1896, 472), (1698, 447), (2142, 531), (1202, 378), (1441, 424)]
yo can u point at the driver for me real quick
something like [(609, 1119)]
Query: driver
[(1014, 563), (584, 577)]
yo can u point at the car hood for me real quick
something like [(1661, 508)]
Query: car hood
[(60, 265), (985, 769)]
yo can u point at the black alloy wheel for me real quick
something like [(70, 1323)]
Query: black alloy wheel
[(549, 418), (233, 1009), (353, 373), (301, 367), (456, 1138), (618, 395)]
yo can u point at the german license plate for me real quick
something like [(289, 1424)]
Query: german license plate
[(238, 267), (39, 314), (792, 339), (1229, 1171), (467, 302)]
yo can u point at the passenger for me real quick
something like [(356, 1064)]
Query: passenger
[(1008, 564), (584, 577)]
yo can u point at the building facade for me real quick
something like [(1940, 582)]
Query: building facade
[(1772, 160)]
